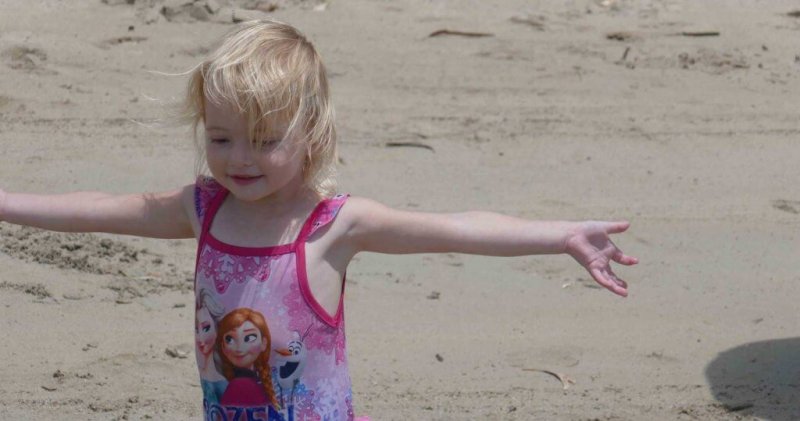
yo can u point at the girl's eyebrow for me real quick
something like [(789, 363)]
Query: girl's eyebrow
[(210, 128)]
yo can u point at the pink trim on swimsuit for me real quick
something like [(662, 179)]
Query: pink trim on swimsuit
[(302, 274)]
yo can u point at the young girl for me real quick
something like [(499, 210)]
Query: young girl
[(274, 240)]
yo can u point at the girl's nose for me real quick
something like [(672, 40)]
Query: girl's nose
[(242, 154)]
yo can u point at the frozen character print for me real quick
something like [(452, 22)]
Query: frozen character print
[(244, 342), (290, 363), (208, 313)]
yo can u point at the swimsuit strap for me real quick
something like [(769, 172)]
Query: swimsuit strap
[(208, 197), (210, 212), (324, 213)]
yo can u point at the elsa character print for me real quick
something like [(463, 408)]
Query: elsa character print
[(207, 315)]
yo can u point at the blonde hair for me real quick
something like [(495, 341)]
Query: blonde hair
[(271, 74)]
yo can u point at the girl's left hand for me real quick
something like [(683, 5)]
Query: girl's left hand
[(590, 245)]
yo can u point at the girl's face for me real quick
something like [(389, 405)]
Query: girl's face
[(243, 345), (275, 171), (205, 331)]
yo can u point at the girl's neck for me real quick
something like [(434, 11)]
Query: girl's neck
[(262, 223), (277, 205)]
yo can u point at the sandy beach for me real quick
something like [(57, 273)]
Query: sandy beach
[(680, 116)]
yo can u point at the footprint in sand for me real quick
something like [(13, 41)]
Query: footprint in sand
[(37, 290), (20, 57), (82, 252), (89, 253), (790, 206)]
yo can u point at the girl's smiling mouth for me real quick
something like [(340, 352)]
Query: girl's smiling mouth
[(243, 180)]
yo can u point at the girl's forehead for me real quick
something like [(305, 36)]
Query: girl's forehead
[(228, 117), (223, 116)]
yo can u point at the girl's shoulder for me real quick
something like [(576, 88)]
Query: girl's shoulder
[(353, 215), (326, 211), (344, 207), (359, 208), (205, 190)]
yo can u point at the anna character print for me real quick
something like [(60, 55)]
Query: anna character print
[(244, 342)]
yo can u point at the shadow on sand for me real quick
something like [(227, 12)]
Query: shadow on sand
[(760, 379)]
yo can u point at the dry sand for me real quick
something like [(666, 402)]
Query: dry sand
[(694, 139)]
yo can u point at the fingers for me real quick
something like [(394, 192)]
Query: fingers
[(610, 281), (618, 256), (617, 227), (613, 276), (623, 259)]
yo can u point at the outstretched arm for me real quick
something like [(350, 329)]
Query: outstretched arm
[(378, 228), (158, 215)]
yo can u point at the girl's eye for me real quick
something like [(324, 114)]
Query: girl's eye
[(228, 339), (206, 329), (219, 141), (270, 143), (250, 338)]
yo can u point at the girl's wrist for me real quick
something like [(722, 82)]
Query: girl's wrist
[(571, 232)]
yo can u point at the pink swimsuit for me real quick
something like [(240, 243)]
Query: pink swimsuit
[(266, 349)]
